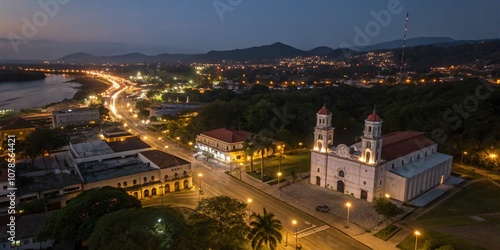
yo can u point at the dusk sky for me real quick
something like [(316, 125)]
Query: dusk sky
[(111, 27)]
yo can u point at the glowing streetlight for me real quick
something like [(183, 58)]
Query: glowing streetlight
[(493, 156), (387, 196), (249, 201), (348, 205), (294, 222), (177, 140), (417, 233), (279, 188), (462, 158), (279, 175)]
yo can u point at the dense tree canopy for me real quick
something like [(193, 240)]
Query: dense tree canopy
[(146, 228), (219, 223), (44, 141), (77, 220), (459, 116)]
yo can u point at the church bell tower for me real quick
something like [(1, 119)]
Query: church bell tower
[(323, 132), (372, 140)]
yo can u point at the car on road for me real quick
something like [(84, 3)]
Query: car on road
[(323, 209)]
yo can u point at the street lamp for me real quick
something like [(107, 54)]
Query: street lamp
[(387, 196), (279, 166), (462, 158), (417, 233), (279, 188), (493, 156), (177, 140), (279, 175), (199, 183), (249, 201), (294, 222), (348, 204)]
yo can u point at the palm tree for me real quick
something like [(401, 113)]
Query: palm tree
[(265, 230), (262, 145), (249, 148)]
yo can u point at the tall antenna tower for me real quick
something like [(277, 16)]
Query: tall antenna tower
[(403, 53)]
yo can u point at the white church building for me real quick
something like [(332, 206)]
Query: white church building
[(402, 164)]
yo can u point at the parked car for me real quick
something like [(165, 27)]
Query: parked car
[(323, 209)]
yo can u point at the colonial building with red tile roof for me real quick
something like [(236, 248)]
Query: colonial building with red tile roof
[(402, 164), (223, 144)]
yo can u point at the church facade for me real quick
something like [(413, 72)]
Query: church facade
[(402, 164)]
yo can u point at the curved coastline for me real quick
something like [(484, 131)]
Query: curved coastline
[(88, 86)]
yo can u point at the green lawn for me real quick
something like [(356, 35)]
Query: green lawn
[(387, 232), (451, 223), (477, 198), (298, 162), (442, 239), (465, 173)]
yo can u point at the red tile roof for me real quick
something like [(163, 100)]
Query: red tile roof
[(373, 117), (133, 143), (227, 135), (15, 123), (324, 111), (397, 144), (162, 159)]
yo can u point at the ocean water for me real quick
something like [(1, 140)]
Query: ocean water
[(34, 94)]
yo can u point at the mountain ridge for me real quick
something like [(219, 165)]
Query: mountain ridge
[(256, 53)]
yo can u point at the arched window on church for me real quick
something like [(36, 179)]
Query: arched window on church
[(368, 156), (341, 173), (320, 137), (318, 170), (320, 145), (369, 129)]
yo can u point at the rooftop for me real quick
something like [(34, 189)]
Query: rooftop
[(162, 159), (324, 111), (227, 135), (397, 144), (95, 148), (92, 148), (416, 167), (77, 110), (116, 133), (133, 143), (49, 182), (113, 168), (15, 123), (373, 117)]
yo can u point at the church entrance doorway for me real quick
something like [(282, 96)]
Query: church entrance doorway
[(340, 186), (318, 180), (364, 195)]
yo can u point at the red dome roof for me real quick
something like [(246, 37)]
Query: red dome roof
[(324, 111), (373, 117)]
